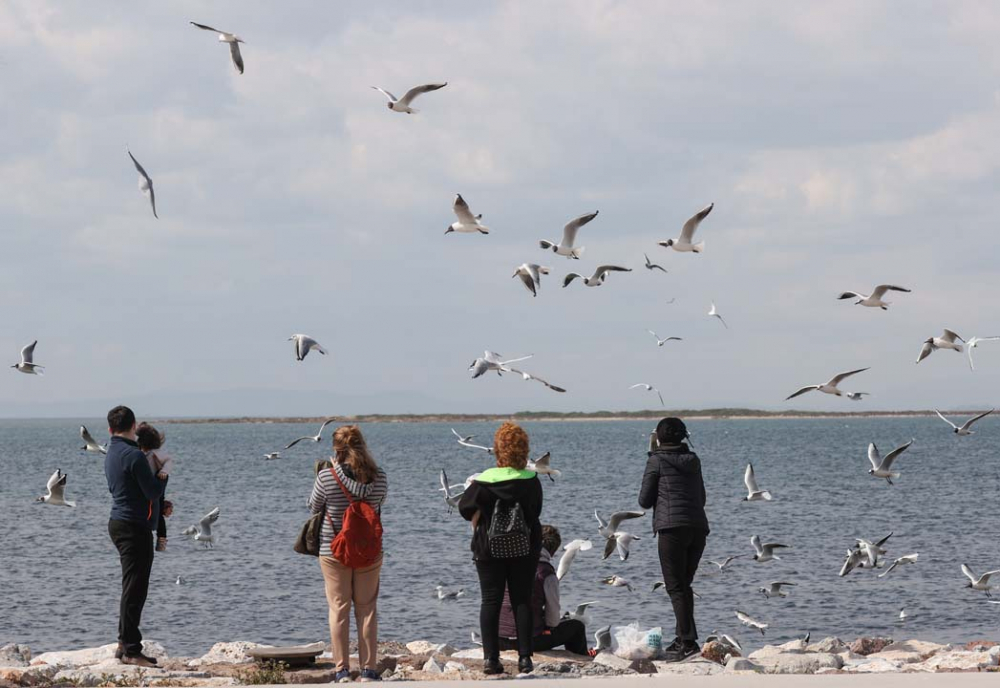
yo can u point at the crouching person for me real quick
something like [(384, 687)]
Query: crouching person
[(549, 629)]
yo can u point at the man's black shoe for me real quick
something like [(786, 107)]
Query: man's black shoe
[(492, 667), (683, 652), (674, 646), (139, 660), (119, 651), (525, 665)]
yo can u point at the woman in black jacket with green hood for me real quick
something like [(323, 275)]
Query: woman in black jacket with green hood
[(506, 555), (673, 487)]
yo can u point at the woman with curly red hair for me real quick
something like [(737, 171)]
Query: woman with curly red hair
[(504, 505)]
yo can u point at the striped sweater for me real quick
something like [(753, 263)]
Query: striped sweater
[(327, 495)]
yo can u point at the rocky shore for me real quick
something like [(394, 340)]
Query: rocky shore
[(231, 664)]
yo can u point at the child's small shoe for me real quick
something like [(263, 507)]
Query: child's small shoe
[(161, 544)]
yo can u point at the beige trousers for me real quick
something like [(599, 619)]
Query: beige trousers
[(345, 585)]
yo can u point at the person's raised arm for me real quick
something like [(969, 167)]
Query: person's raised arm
[(650, 483)]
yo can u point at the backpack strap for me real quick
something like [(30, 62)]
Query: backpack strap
[(347, 493)]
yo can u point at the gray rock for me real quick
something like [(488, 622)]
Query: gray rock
[(868, 646), (453, 667), (556, 668), (226, 653), (471, 653), (433, 667), (910, 651), (424, 647), (830, 645), (642, 666), (872, 664), (94, 655), (613, 661), (691, 667), (958, 660), (15, 655), (797, 663), (740, 665)]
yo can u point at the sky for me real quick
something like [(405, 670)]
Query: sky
[(844, 145)]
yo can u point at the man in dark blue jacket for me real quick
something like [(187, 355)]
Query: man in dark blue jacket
[(135, 509)]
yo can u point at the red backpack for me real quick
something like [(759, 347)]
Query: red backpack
[(359, 542)]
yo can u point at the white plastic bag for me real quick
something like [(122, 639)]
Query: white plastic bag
[(631, 642)]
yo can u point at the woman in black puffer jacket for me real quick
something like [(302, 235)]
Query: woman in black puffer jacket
[(673, 487)]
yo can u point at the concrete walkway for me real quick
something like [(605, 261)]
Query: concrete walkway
[(965, 680)]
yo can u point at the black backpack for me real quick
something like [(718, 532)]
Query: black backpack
[(509, 536)]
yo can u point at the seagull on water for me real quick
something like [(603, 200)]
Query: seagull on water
[(619, 542), (945, 341), (403, 104), (203, 531), (542, 466), (145, 182), (774, 589), (882, 466), (55, 490), (304, 344), (724, 564), (465, 441), (649, 388), (651, 265), (901, 561), (902, 614), (27, 364), (610, 527), (981, 582), (580, 613), (661, 342), (89, 443), (974, 342), (565, 247), (873, 300), (828, 387), (597, 279), (271, 456), (317, 438), (234, 44), (570, 550), (966, 428), (449, 595), (683, 243), (467, 222), (531, 276), (714, 312), (450, 498), (765, 552), (754, 493), (617, 582), (748, 620)]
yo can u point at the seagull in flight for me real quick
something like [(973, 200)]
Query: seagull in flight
[(882, 466), (873, 300), (450, 498), (856, 396), (234, 44), (724, 564), (203, 531), (617, 582), (89, 443), (748, 620), (610, 527), (271, 456), (597, 279), (981, 582), (491, 361), (901, 561), (27, 364), (542, 466), (465, 441), (974, 342), (966, 427), (774, 589), (829, 387), (145, 182), (304, 344), (580, 613), (570, 550), (531, 276), (765, 553), (467, 222), (754, 493), (661, 342), (651, 265), (403, 104), (683, 243), (649, 388), (565, 247), (855, 558), (55, 490), (317, 438), (714, 312), (945, 341), (620, 542)]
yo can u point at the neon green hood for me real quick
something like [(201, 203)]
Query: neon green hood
[(499, 475)]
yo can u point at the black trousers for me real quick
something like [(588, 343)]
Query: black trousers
[(161, 524), (680, 553), (571, 634), (135, 550), (517, 577)]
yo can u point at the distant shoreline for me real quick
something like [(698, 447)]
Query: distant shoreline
[(550, 417)]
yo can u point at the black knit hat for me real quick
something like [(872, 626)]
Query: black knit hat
[(671, 431)]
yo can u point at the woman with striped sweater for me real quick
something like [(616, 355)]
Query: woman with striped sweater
[(356, 470)]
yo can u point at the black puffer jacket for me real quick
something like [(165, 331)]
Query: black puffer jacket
[(672, 486)]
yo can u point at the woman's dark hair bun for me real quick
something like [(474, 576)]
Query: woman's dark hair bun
[(671, 431)]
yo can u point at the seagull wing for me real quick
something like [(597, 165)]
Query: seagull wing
[(462, 211), (968, 423), (750, 480), (945, 419), (234, 52), (55, 479), (950, 336), (837, 379), (755, 541), (643, 385), (603, 270), (808, 388), (529, 376), (894, 454), (209, 518), (412, 94), (543, 460), (969, 574), (609, 547), (444, 485), (28, 353), (392, 98), (527, 281), (619, 516), (152, 196), (850, 295), (573, 226), (569, 278), (889, 570), (661, 397), (301, 439), (881, 289), (564, 562), (687, 233), (323, 426), (205, 28), (985, 578), (926, 350), (138, 168), (874, 456)]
